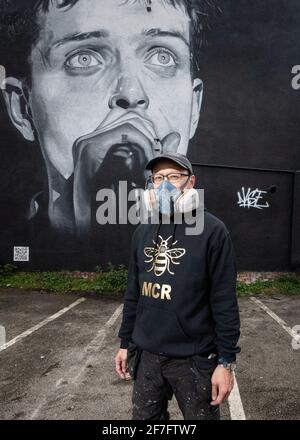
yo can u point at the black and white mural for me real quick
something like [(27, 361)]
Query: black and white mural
[(93, 89)]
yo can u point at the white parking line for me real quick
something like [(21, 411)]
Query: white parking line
[(91, 354), (280, 321), (235, 403), (97, 343), (41, 324)]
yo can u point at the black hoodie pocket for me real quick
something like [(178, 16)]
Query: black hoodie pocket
[(203, 363), (161, 330)]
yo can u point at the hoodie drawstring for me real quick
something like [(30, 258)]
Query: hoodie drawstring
[(173, 234)]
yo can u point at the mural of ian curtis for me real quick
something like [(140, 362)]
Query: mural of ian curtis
[(102, 85)]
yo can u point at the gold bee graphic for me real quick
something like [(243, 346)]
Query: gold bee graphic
[(161, 256)]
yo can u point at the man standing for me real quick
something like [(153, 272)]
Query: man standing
[(180, 310)]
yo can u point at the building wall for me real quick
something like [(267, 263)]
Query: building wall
[(74, 134)]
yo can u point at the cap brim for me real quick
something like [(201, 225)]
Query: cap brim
[(152, 162)]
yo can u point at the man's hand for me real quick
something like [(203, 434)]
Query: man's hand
[(222, 383), (121, 364)]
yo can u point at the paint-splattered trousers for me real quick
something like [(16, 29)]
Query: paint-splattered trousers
[(159, 377)]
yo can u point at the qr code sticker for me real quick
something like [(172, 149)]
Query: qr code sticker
[(21, 253)]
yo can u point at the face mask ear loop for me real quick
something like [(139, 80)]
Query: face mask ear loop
[(182, 189), (189, 179)]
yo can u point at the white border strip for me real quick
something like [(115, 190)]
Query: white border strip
[(41, 324), (235, 403)]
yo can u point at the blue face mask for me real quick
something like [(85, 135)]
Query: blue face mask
[(166, 195)]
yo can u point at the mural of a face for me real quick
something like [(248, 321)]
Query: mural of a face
[(105, 74)]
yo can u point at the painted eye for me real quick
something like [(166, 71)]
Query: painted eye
[(83, 61), (162, 57)]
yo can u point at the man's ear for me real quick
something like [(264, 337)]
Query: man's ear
[(18, 107), (192, 181), (196, 105)]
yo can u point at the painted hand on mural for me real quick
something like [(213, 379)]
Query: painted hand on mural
[(130, 137)]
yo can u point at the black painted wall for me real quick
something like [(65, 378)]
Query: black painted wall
[(248, 136)]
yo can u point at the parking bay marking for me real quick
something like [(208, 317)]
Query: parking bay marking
[(41, 324), (234, 400), (235, 403), (91, 355), (273, 315)]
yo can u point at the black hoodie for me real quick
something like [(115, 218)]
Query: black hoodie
[(181, 294)]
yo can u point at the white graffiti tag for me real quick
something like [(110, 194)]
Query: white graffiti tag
[(251, 198)]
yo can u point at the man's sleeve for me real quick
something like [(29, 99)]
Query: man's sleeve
[(223, 298), (131, 298)]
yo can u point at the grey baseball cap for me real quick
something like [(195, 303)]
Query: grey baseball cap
[(178, 158)]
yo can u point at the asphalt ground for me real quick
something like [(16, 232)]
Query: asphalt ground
[(63, 368)]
